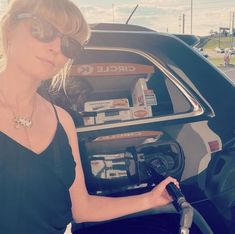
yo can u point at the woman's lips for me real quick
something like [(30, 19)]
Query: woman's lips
[(48, 61)]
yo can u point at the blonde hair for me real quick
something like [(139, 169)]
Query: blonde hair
[(62, 14)]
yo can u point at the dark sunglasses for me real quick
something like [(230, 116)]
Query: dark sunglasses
[(46, 32)]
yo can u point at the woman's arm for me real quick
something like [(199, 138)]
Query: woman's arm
[(87, 207), (97, 208)]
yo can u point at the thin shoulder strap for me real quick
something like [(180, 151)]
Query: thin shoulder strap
[(56, 114), (46, 94), (56, 149)]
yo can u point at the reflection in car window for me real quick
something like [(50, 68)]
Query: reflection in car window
[(116, 86)]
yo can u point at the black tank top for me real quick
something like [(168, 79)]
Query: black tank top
[(34, 188)]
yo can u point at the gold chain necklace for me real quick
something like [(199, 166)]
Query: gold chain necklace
[(19, 120)]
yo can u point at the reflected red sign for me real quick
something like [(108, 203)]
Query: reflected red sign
[(110, 69)]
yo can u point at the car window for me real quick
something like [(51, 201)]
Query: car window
[(123, 86)]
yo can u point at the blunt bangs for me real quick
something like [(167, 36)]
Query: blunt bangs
[(67, 18), (62, 14)]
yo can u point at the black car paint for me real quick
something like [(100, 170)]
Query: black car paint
[(212, 84)]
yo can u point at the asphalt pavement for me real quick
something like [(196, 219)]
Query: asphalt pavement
[(229, 71)]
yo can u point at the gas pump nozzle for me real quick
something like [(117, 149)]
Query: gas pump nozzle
[(183, 207)]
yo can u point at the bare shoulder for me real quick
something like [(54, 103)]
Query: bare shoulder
[(64, 117), (66, 120)]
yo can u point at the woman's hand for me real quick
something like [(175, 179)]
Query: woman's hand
[(159, 195)]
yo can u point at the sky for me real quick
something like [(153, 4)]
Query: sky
[(162, 15)]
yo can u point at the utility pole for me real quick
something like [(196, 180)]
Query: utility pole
[(113, 11), (232, 28), (191, 25), (179, 24), (219, 36), (183, 23), (230, 20)]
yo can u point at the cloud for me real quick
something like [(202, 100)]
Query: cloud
[(97, 14), (163, 15)]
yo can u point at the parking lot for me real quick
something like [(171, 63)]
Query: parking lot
[(217, 59), (229, 71)]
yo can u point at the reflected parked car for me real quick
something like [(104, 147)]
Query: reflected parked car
[(154, 103), (201, 51), (231, 51), (219, 50)]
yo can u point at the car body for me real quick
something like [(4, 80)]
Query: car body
[(184, 107), (219, 50), (231, 51), (201, 51)]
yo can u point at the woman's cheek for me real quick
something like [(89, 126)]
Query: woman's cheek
[(62, 60)]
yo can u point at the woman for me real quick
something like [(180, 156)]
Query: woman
[(41, 179)]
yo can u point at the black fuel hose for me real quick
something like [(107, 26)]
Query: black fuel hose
[(188, 213), (183, 207)]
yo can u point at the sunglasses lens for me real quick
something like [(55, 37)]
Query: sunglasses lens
[(42, 31), (46, 32), (70, 47)]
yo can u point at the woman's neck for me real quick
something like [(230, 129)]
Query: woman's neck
[(18, 90)]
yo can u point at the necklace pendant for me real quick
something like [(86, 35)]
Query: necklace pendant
[(22, 122)]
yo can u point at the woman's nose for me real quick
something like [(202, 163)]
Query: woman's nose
[(55, 45)]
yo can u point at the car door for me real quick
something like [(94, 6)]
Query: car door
[(142, 106)]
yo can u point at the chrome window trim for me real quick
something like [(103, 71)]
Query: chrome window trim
[(197, 108)]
